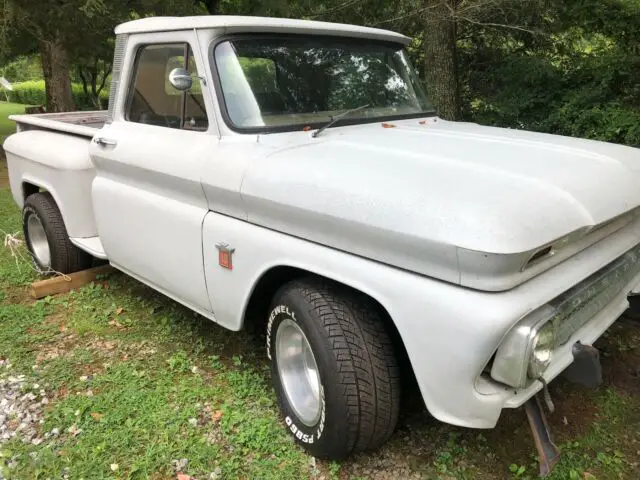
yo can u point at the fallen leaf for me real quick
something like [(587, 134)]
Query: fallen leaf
[(422, 122), (97, 416), (117, 324), (183, 476), (63, 328), (217, 415), (388, 125), (589, 475), (119, 310), (114, 467)]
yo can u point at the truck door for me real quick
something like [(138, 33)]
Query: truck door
[(147, 197)]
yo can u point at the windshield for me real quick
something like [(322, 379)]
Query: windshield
[(288, 82)]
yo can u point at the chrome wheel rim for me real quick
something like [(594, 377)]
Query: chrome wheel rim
[(38, 241), (298, 372)]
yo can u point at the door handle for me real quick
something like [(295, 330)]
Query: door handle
[(105, 142)]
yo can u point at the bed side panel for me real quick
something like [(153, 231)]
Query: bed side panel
[(59, 164)]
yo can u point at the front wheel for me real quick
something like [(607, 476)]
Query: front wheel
[(334, 370)]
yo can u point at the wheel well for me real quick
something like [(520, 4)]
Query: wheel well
[(29, 189), (264, 291), (255, 316)]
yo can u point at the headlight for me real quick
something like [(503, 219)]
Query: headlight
[(526, 351), (542, 351)]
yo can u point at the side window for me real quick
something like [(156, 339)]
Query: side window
[(154, 101)]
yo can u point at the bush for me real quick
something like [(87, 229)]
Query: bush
[(22, 68), (33, 93)]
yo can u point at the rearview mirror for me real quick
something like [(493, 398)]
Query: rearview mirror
[(180, 79)]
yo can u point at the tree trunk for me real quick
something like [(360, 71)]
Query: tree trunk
[(55, 67), (440, 58), (212, 6)]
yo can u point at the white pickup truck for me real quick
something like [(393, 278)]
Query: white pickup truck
[(294, 172)]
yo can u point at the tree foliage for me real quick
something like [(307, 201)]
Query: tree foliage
[(561, 66)]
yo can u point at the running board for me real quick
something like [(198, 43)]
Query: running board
[(91, 245)]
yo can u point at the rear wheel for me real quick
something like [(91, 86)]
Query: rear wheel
[(333, 366), (47, 238)]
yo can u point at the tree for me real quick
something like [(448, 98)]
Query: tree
[(212, 7), (74, 36), (440, 57), (44, 23)]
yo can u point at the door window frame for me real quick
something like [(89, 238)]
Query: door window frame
[(134, 45)]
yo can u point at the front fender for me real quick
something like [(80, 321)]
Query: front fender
[(448, 332)]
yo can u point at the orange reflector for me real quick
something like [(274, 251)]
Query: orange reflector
[(306, 129), (224, 259)]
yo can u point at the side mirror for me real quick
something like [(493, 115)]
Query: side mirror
[(180, 79)]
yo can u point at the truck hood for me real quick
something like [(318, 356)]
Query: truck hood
[(456, 201)]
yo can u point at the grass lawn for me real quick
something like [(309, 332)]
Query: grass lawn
[(139, 387), (7, 127)]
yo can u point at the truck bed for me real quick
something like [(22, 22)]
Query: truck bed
[(84, 124)]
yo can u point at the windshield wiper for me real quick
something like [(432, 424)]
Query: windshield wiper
[(337, 118)]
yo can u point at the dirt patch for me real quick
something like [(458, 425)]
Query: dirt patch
[(16, 296), (621, 357), (52, 350), (575, 413)]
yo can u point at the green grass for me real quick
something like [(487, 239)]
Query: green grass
[(7, 127), (136, 381)]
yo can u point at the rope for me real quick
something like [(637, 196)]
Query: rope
[(15, 244)]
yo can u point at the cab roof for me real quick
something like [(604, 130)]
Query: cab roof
[(237, 24)]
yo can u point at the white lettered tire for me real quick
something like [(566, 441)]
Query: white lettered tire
[(334, 369)]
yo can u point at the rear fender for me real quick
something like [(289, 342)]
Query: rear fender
[(59, 164)]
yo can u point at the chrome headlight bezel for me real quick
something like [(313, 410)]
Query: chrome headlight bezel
[(512, 364)]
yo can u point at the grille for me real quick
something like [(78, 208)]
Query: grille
[(118, 59), (581, 303)]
